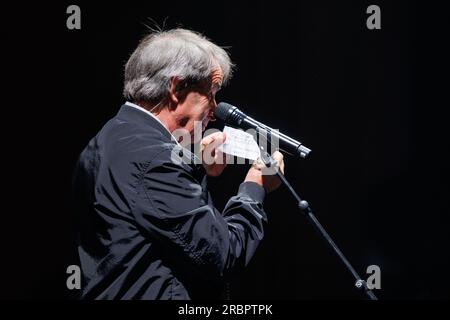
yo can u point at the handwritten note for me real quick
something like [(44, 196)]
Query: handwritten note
[(240, 144)]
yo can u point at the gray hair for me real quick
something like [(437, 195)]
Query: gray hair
[(162, 55)]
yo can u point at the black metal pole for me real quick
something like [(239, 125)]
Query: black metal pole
[(305, 208)]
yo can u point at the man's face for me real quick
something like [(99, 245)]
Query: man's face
[(197, 107)]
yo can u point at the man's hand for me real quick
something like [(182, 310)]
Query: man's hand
[(214, 161), (264, 176)]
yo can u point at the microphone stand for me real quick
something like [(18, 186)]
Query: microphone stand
[(306, 209)]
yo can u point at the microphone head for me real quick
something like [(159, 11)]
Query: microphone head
[(223, 111)]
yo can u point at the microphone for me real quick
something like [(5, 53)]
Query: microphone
[(236, 118)]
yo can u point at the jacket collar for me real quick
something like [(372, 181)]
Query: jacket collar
[(130, 113)]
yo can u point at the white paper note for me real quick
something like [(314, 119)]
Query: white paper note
[(240, 143)]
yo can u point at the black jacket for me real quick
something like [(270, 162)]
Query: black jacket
[(147, 226)]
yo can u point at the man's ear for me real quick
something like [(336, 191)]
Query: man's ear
[(174, 94)]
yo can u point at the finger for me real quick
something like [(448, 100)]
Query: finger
[(278, 157), (258, 164), (221, 158), (207, 140), (218, 137), (228, 158)]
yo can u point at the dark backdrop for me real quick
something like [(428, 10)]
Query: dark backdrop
[(375, 179)]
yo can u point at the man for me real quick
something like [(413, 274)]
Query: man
[(148, 228)]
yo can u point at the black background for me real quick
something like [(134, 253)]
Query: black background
[(365, 101)]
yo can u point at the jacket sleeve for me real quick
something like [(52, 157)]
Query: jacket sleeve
[(175, 210)]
